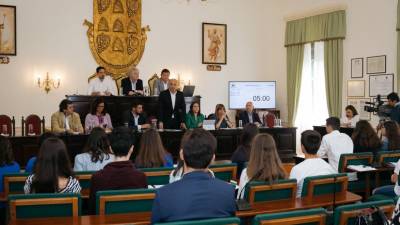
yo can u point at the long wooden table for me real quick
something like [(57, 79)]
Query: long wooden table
[(25, 147), (144, 218)]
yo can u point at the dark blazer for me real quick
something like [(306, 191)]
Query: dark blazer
[(196, 196), (127, 85), (115, 176), (245, 118), (395, 114), (128, 118), (166, 111)]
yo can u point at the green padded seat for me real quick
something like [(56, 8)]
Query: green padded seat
[(318, 212), (128, 204), (322, 188), (224, 175), (161, 179), (271, 195), (15, 187), (219, 221)]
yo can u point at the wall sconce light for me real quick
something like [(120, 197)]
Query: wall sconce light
[(47, 84)]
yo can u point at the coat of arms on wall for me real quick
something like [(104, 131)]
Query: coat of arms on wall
[(116, 36)]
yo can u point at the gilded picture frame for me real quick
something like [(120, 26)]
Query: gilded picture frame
[(8, 30), (214, 43)]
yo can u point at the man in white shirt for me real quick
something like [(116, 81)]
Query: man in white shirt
[(335, 143), (102, 84), (312, 165)]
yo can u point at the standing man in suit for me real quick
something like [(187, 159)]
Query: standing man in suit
[(66, 120), (172, 107), (249, 116), (394, 102), (102, 84), (135, 117), (197, 195), (162, 84), (132, 85)]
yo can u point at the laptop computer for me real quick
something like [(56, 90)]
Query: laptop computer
[(188, 90)]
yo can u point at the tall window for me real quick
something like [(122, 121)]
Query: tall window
[(312, 109)]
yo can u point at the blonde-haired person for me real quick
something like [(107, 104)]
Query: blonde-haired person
[(264, 163), (132, 85), (221, 118)]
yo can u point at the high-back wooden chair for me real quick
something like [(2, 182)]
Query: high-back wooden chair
[(325, 184), (124, 201), (14, 183), (33, 125), (225, 172), (44, 205), (151, 83), (384, 159), (300, 217), (7, 125), (258, 191)]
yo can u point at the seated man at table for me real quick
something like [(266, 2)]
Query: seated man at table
[(66, 120), (135, 117), (162, 84), (249, 116), (197, 195), (132, 85), (120, 174), (172, 107), (312, 165), (102, 84), (335, 143)]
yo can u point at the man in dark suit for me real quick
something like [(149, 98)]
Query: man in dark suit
[(132, 85), (172, 107), (197, 195), (393, 101), (135, 117), (249, 116)]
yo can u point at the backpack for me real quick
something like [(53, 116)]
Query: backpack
[(371, 216)]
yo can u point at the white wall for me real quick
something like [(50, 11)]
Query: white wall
[(51, 38)]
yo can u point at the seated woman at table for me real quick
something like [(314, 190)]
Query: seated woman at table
[(53, 171), (30, 165), (242, 152), (194, 118), (220, 117), (98, 116), (390, 136), (152, 153), (351, 117), (97, 152), (7, 163), (365, 138), (264, 163)]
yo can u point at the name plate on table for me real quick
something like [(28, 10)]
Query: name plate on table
[(209, 124)]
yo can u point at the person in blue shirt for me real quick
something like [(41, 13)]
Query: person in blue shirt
[(7, 163), (31, 162), (197, 195), (152, 153)]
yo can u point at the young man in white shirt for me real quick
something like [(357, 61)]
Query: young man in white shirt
[(335, 143), (102, 84), (312, 165)]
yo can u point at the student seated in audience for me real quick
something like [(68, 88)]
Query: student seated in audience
[(249, 116), (32, 161), (53, 171), (7, 163), (264, 163), (351, 117), (98, 116), (97, 152), (242, 152), (136, 118), (194, 118), (66, 120), (365, 138), (152, 153), (120, 174), (220, 117), (334, 143), (312, 165), (390, 136), (390, 190), (197, 195), (178, 172)]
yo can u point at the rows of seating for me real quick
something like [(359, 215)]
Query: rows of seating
[(31, 125)]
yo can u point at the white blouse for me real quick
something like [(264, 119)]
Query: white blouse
[(353, 121)]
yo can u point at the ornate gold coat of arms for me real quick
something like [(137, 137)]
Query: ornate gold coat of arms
[(116, 38)]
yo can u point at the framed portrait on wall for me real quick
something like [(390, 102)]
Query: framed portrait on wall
[(357, 67), (214, 46), (8, 30)]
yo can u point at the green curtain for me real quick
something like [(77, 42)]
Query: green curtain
[(295, 55), (398, 45), (333, 57)]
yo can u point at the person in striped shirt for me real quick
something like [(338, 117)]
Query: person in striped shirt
[(53, 172)]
